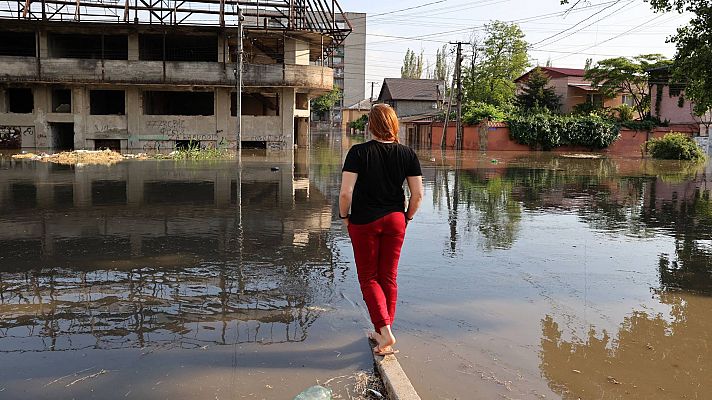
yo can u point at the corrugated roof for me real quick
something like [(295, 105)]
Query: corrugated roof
[(411, 89)]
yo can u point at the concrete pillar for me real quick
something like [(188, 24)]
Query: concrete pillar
[(43, 134), (134, 109), (80, 110), (296, 51), (44, 47), (287, 113), (133, 47), (3, 105), (302, 132), (222, 118), (222, 56)]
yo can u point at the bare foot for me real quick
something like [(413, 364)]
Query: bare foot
[(385, 340)]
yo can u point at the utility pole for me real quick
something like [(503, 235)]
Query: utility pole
[(372, 83), (458, 69), (238, 82), (443, 138)]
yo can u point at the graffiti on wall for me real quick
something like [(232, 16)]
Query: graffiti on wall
[(274, 142), (11, 137), (167, 127), (194, 137)]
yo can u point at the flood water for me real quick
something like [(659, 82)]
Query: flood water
[(524, 276)]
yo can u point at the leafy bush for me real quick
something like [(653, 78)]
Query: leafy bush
[(675, 146), (476, 112), (360, 123), (644, 125), (625, 112), (549, 131), (440, 117)]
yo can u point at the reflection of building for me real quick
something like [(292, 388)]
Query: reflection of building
[(150, 252), (161, 78), (569, 83)]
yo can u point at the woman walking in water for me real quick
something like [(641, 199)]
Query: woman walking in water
[(372, 188)]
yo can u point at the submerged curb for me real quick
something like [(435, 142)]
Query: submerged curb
[(397, 383)]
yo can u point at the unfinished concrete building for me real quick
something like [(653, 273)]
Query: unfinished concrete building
[(155, 76)]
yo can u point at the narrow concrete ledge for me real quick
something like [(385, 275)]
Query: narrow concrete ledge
[(397, 383)]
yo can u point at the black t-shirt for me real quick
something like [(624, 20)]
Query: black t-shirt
[(382, 169)]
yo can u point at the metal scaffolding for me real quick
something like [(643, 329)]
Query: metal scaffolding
[(318, 16)]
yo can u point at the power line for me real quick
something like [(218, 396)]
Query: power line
[(584, 20), (612, 38)]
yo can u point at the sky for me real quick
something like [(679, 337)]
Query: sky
[(596, 29)]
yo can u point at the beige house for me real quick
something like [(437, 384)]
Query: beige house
[(569, 83), (354, 112)]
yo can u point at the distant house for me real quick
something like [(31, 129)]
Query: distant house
[(569, 83), (412, 96), (354, 112), (667, 100)]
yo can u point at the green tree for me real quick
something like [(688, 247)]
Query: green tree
[(503, 58), (412, 65), (622, 75), (694, 51), (538, 94), (443, 69), (324, 103)]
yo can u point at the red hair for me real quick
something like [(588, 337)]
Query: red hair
[(383, 122)]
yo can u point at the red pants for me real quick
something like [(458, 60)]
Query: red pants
[(377, 247)]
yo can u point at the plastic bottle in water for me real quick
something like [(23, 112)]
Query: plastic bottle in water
[(315, 393)]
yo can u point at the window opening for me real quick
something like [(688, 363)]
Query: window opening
[(61, 100), (20, 100), (178, 103), (107, 102)]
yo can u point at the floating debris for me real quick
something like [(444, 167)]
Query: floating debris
[(102, 372), (583, 155), (275, 168), (315, 393), (80, 157)]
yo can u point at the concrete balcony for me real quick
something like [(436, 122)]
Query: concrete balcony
[(70, 70)]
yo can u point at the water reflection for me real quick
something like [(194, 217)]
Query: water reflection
[(651, 356), (638, 198), (162, 254)]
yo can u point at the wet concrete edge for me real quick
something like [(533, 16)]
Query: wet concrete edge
[(394, 378)]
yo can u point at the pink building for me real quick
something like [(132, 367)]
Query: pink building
[(667, 101), (569, 83)]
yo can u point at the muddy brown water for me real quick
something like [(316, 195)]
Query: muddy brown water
[(525, 276)]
